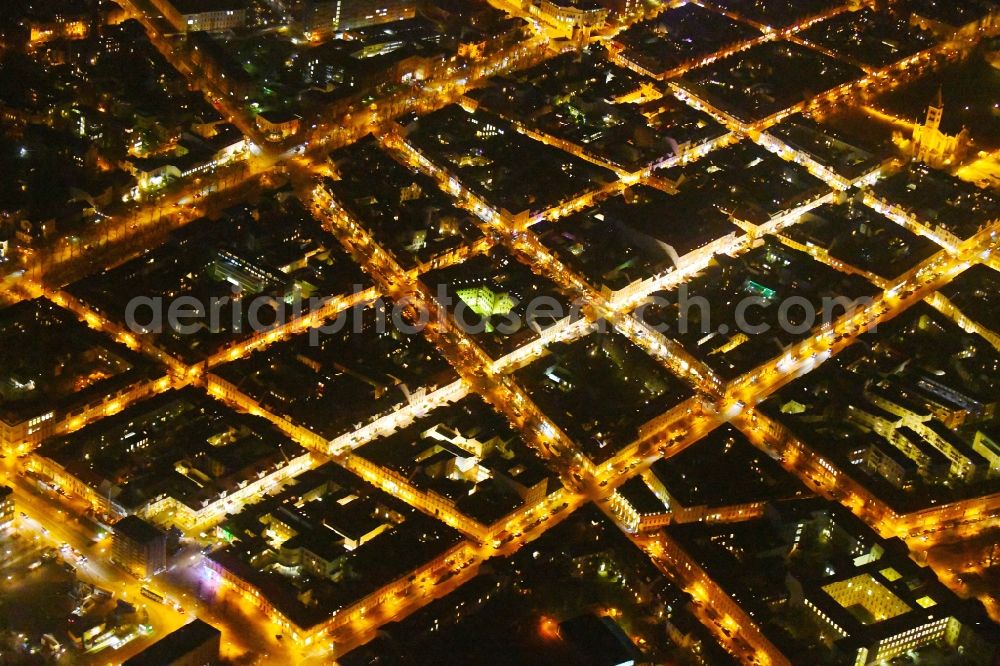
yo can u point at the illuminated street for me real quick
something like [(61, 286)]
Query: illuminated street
[(324, 444)]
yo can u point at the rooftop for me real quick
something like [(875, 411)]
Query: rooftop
[(179, 642)]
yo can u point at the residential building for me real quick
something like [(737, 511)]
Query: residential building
[(6, 506)]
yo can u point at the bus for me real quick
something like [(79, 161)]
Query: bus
[(149, 594)]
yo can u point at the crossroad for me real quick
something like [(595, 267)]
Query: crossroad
[(715, 403)]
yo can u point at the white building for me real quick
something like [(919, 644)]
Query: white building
[(211, 15)]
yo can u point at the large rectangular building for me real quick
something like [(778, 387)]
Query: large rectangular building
[(211, 15), (139, 546), (195, 644), (322, 17)]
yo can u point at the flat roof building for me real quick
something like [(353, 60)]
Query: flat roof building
[(211, 15), (139, 546), (195, 644)]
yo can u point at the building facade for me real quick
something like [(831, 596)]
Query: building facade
[(935, 148), (320, 18), (139, 546), (6, 506)]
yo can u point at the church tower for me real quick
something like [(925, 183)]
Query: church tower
[(935, 112), (934, 147)]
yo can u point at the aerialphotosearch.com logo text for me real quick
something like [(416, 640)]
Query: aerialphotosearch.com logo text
[(751, 315)]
